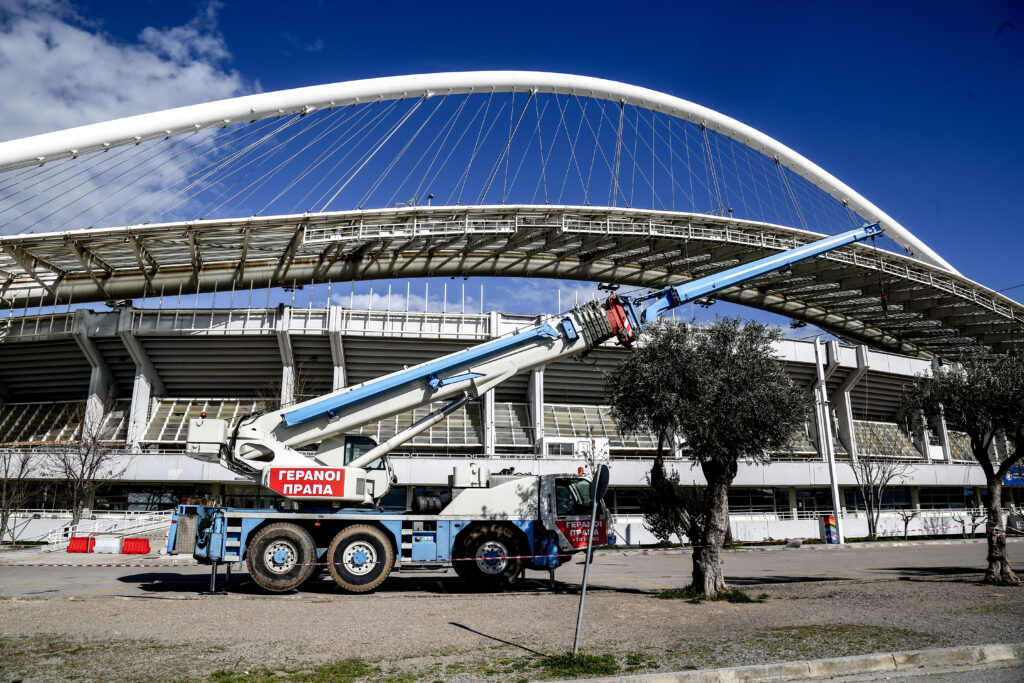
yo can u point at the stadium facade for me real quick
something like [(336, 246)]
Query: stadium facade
[(386, 179), (149, 370)]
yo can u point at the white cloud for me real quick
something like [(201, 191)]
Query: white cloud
[(58, 70), (539, 295), (401, 301)]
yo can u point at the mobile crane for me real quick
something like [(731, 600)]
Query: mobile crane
[(488, 527)]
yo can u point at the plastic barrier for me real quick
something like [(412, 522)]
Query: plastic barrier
[(110, 545), (81, 544), (135, 546)]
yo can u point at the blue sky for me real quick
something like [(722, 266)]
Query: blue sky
[(915, 105)]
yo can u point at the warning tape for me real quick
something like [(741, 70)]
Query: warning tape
[(25, 564), (489, 558)]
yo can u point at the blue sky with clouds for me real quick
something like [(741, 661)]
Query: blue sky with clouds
[(916, 104)]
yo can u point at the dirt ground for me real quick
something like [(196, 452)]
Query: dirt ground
[(430, 628)]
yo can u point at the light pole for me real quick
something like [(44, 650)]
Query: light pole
[(824, 421)]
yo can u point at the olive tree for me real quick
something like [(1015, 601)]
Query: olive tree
[(721, 388), (984, 397)]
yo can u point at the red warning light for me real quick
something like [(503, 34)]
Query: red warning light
[(202, 414)]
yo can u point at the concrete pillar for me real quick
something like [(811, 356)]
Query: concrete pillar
[(487, 415), (147, 386), (844, 404), (938, 423), (340, 380), (284, 342), (915, 499), (101, 381), (487, 400), (536, 394), (793, 511)]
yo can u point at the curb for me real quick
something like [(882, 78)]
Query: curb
[(815, 546), (61, 559), (883, 663)]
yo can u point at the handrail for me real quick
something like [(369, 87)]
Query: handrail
[(132, 522)]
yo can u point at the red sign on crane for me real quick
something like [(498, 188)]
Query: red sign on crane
[(307, 482), (576, 531)]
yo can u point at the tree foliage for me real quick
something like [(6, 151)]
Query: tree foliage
[(719, 385), (722, 389), (982, 396)]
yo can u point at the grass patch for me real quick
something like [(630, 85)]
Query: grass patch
[(736, 595), (695, 596), (342, 671), (641, 660), (581, 664)]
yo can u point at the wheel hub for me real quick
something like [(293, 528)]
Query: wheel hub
[(492, 557), (359, 558), (281, 557)]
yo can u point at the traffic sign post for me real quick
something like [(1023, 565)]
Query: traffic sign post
[(598, 487)]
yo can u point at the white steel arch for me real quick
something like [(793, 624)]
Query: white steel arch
[(131, 130)]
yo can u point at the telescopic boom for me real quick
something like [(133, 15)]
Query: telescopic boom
[(256, 445)]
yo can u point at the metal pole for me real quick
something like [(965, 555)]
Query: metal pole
[(586, 572), (825, 435)]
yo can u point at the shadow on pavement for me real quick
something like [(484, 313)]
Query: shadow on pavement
[(436, 584), (931, 571), (779, 579), (497, 640)]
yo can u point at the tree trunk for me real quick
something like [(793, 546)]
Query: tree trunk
[(707, 558), (872, 516), (999, 571)]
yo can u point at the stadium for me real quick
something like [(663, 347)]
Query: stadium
[(139, 298)]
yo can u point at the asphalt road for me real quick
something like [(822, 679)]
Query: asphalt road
[(627, 570)]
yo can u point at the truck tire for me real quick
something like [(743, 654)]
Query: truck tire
[(281, 557), (361, 557), (490, 548)]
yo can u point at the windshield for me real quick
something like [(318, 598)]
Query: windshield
[(572, 497), (357, 446)]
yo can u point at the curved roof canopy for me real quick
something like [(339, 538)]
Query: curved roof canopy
[(132, 130), (930, 308)]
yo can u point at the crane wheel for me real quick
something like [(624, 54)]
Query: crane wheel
[(281, 557), (361, 557), (490, 548)]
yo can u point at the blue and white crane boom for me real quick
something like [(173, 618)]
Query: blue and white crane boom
[(265, 446)]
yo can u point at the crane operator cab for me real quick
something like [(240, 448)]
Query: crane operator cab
[(357, 445)]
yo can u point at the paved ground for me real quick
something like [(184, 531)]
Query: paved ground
[(621, 571), (821, 602)]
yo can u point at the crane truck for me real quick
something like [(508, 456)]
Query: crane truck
[(488, 527)]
